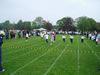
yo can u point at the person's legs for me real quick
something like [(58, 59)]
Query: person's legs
[(82, 41), (64, 40), (0, 61), (51, 42), (54, 38), (96, 43), (71, 40), (47, 40)]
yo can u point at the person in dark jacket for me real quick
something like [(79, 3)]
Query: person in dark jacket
[(1, 42)]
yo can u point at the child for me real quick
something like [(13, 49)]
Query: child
[(52, 39), (82, 39), (96, 41), (27, 36), (41, 34), (64, 37), (46, 37), (71, 38)]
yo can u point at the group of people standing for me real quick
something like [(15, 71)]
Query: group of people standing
[(94, 37), (12, 34)]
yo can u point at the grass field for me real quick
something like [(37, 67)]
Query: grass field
[(35, 57)]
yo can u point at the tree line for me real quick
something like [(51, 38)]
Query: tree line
[(66, 24)]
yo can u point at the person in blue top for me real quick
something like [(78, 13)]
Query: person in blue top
[(1, 42), (7, 35), (19, 34)]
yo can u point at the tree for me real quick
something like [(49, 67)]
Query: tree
[(39, 21), (82, 23), (93, 24), (66, 24), (86, 24), (6, 24), (1, 26), (48, 26), (27, 25), (59, 24), (19, 24), (35, 26)]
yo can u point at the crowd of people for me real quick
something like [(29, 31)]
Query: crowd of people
[(91, 36), (94, 37)]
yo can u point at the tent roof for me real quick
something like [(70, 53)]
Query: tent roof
[(41, 29)]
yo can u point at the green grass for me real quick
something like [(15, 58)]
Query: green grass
[(35, 57)]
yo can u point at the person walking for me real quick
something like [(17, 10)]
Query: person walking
[(64, 38), (27, 35), (96, 41), (71, 38), (82, 39), (52, 39), (46, 37), (1, 42)]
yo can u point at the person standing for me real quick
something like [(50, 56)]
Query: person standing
[(63, 38), (19, 34), (82, 39), (90, 35), (7, 35), (46, 37), (71, 38), (96, 41), (27, 35), (1, 42), (54, 37)]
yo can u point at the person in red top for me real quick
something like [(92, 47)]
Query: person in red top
[(54, 37)]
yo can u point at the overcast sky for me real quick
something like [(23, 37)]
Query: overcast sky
[(50, 10)]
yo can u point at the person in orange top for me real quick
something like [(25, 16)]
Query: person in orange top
[(54, 37)]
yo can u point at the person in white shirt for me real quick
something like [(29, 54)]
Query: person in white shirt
[(63, 38), (82, 39), (97, 41), (46, 37), (27, 36), (41, 34), (71, 38), (90, 35)]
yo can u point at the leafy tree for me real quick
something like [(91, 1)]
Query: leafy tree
[(19, 24), (93, 24), (6, 24), (59, 24), (48, 26), (27, 25), (86, 24), (1, 26), (66, 24), (83, 24), (39, 21)]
